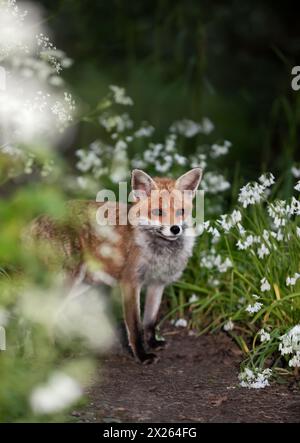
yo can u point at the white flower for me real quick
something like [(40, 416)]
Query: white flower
[(294, 207), (251, 193), (254, 307), (263, 251), (213, 183), (214, 232), (88, 160), (298, 231), (228, 221), (213, 282), (185, 127), (180, 159), (211, 260), (218, 150), (295, 171), (254, 379), (264, 336), (278, 235), (236, 216), (189, 128), (290, 344), (223, 267), (198, 160), (228, 326), (180, 323), (73, 317), (267, 180), (265, 285), (295, 361), (145, 130), (60, 392), (207, 126), (193, 298), (291, 281), (119, 96), (116, 123), (297, 187), (170, 143), (246, 244)]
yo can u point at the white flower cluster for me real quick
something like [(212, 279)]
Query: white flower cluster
[(255, 307), (265, 285), (214, 183), (189, 128), (213, 260), (51, 54), (291, 281), (264, 336), (263, 251), (12, 19), (228, 326), (64, 109), (162, 156), (296, 171), (255, 379), (59, 393), (193, 298), (198, 160), (290, 344), (267, 179), (145, 130), (32, 109), (253, 193), (297, 187), (116, 123), (74, 317), (219, 150), (180, 323), (100, 160), (119, 96), (227, 222), (247, 242), (281, 211)]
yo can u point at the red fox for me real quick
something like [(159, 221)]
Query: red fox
[(150, 253)]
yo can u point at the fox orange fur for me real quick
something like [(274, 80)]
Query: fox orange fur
[(151, 253)]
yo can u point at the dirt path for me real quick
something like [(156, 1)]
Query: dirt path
[(195, 380)]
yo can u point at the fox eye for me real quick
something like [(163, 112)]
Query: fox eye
[(158, 212), (180, 212)]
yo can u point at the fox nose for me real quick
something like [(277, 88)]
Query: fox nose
[(175, 229)]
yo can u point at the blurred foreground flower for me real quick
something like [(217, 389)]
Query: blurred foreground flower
[(32, 108), (59, 393), (83, 316)]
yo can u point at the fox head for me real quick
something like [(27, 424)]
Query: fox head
[(163, 206)]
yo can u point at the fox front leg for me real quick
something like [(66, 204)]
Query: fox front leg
[(131, 308), (153, 300)]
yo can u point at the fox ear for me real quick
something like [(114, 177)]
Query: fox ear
[(142, 183), (189, 181)]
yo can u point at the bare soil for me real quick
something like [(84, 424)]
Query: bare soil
[(195, 380)]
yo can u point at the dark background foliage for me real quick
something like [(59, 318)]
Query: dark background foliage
[(228, 60)]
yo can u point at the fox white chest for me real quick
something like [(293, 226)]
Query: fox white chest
[(162, 262)]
